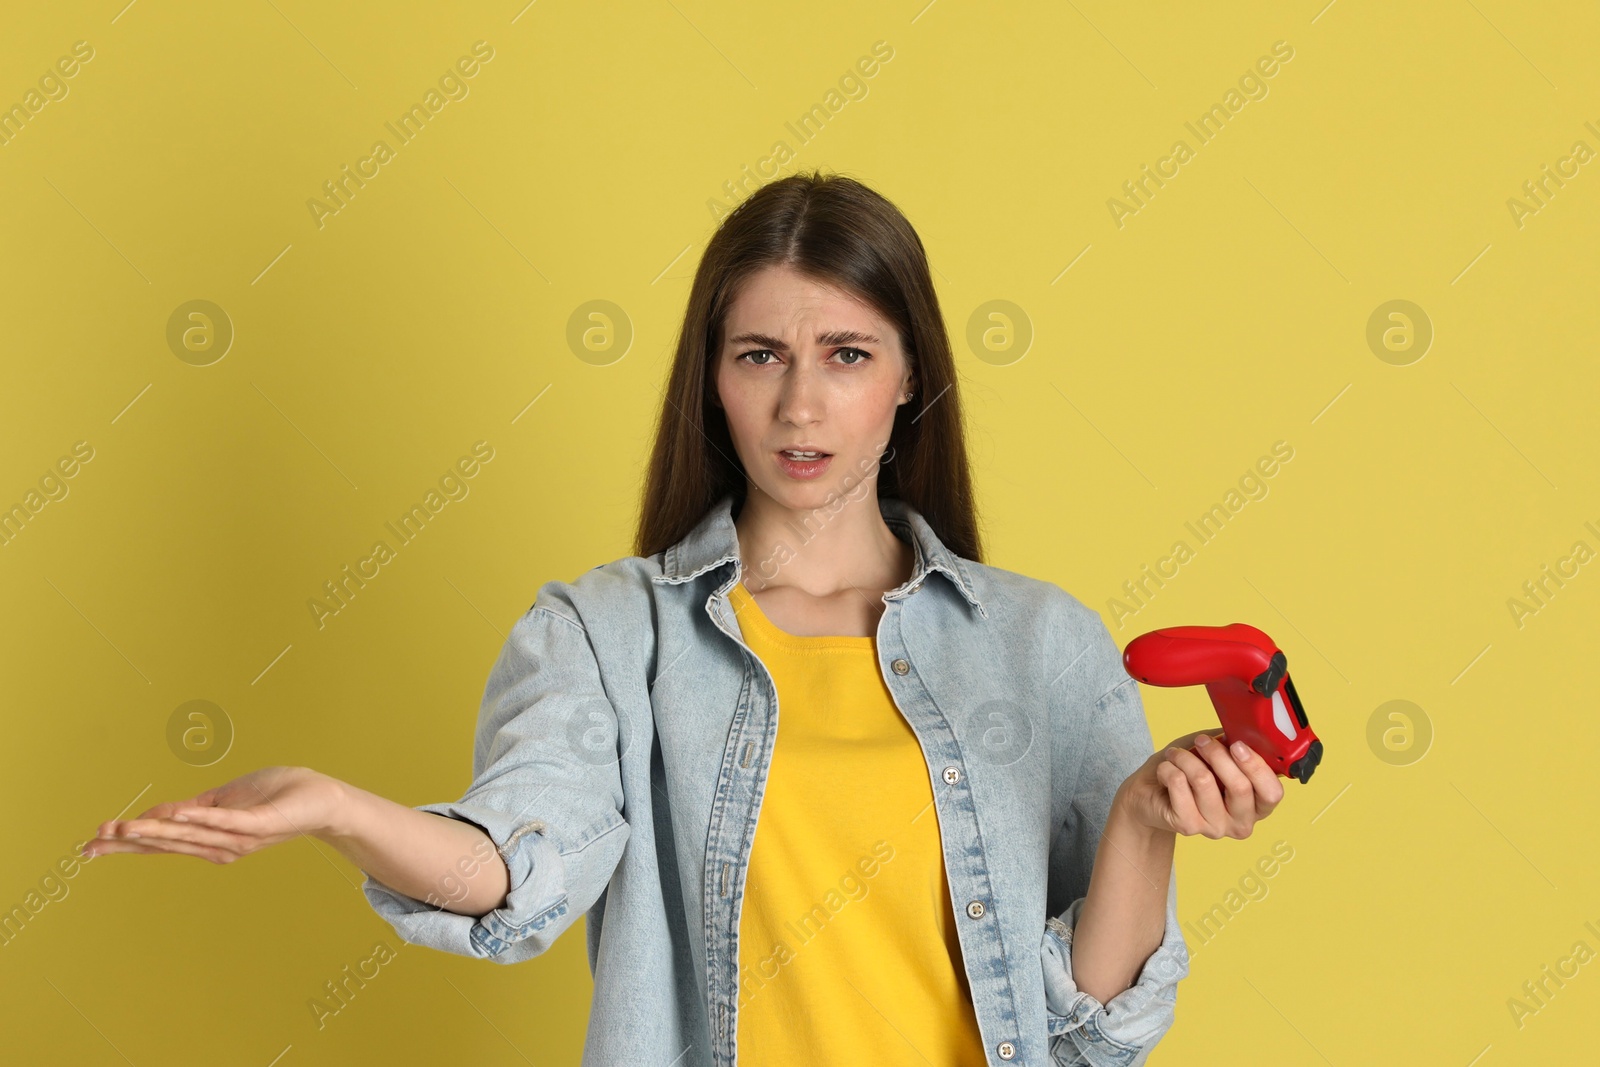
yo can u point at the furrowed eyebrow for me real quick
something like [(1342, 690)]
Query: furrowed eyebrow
[(827, 340)]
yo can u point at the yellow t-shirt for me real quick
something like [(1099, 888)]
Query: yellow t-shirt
[(847, 941)]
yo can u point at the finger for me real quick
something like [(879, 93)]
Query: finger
[(207, 799), (99, 846), (202, 801), (157, 811), (253, 821), (1185, 813), (161, 847), (1238, 786), (1188, 740), (1203, 787), (127, 839), (166, 830), (1268, 787)]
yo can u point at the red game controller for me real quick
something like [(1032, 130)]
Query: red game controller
[(1248, 679)]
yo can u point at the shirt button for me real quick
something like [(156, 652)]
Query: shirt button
[(1006, 1050), (900, 666), (975, 909), (952, 775)]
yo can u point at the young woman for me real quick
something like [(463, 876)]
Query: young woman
[(957, 850)]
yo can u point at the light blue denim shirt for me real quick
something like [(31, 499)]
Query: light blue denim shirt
[(622, 748)]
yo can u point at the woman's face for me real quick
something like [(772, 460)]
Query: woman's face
[(805, 366)]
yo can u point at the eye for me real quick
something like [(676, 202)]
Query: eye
[(757, 352), (864, 356)]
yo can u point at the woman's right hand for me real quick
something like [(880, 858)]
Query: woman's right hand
[(237, 818)]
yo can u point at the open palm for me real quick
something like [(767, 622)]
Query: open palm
[(248, 814)]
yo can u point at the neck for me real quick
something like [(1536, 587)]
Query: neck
[(820, 551)]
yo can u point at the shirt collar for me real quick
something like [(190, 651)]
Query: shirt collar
[(715, 541)]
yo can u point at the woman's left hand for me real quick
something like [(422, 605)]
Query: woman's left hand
[(1206, 789)]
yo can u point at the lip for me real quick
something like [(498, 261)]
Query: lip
[(803, 471)]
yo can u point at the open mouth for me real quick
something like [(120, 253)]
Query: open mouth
[(803, 464)]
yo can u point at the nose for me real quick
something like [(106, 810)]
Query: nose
[(800, 395)]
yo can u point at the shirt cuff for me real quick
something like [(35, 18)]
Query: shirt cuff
[(1120, 1033), (536, 899)]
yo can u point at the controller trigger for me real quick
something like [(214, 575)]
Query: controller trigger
[(1265, 682), (1305, 765)]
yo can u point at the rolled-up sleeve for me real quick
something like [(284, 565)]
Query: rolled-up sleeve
[(1123, 1031), (546, 789)]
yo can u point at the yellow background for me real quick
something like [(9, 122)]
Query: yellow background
[(369, 354)]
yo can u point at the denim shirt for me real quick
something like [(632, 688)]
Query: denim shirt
[(624, 741)]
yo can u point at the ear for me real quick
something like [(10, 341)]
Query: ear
[(908, 384)]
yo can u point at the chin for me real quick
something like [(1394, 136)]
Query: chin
[(830, 495), (800, 497)]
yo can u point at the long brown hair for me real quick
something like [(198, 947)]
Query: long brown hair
[(836, 230)]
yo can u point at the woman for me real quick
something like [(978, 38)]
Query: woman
[(807, 539)]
